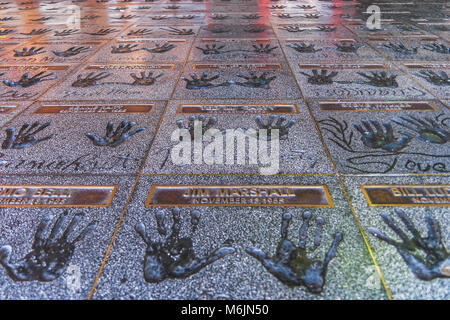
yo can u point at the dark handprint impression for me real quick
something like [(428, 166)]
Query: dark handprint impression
[(437, 78), (161, 48), (28, 52), (49, 255), (174, 256), (90, 80), (26, 81), (205, 126), (145, 80), (283, 129), (290, 263), (380, 138), (428, 130), (204, 82), (379, 79), (113, 138), (426, 257), (254, 81), (321, 78), (72, 51), (25, 137)]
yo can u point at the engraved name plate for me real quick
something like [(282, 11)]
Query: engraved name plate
[(7, 109), (129, 67), (407, 195), (107, 108), (342, 66), (56, 195), (237, 108), (257, 66), (375, 105), (239, 195)]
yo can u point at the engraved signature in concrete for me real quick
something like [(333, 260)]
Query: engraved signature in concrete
[(114, 138), (426, 257), (174, 256), (26, 136), (384, 147), (290, 264), (49, 254)]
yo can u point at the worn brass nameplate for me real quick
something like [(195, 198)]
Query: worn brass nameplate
[(237, 108), (427, 65), (238, 65), (29, 67), (342, 66), (109, 108), (375, 105), (56, 195), (239, 195), (129, 67), (407, 195), (7, 109)]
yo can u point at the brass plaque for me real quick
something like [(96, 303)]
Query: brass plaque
[(129, 67), (238, 65), (342, 66), (56, 195), (239, 195), (52, 68), (407, 195), (237, 108), (375, 105), (109, 108), (147, 40), (7, 109), (427, 65), (234, 40)]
